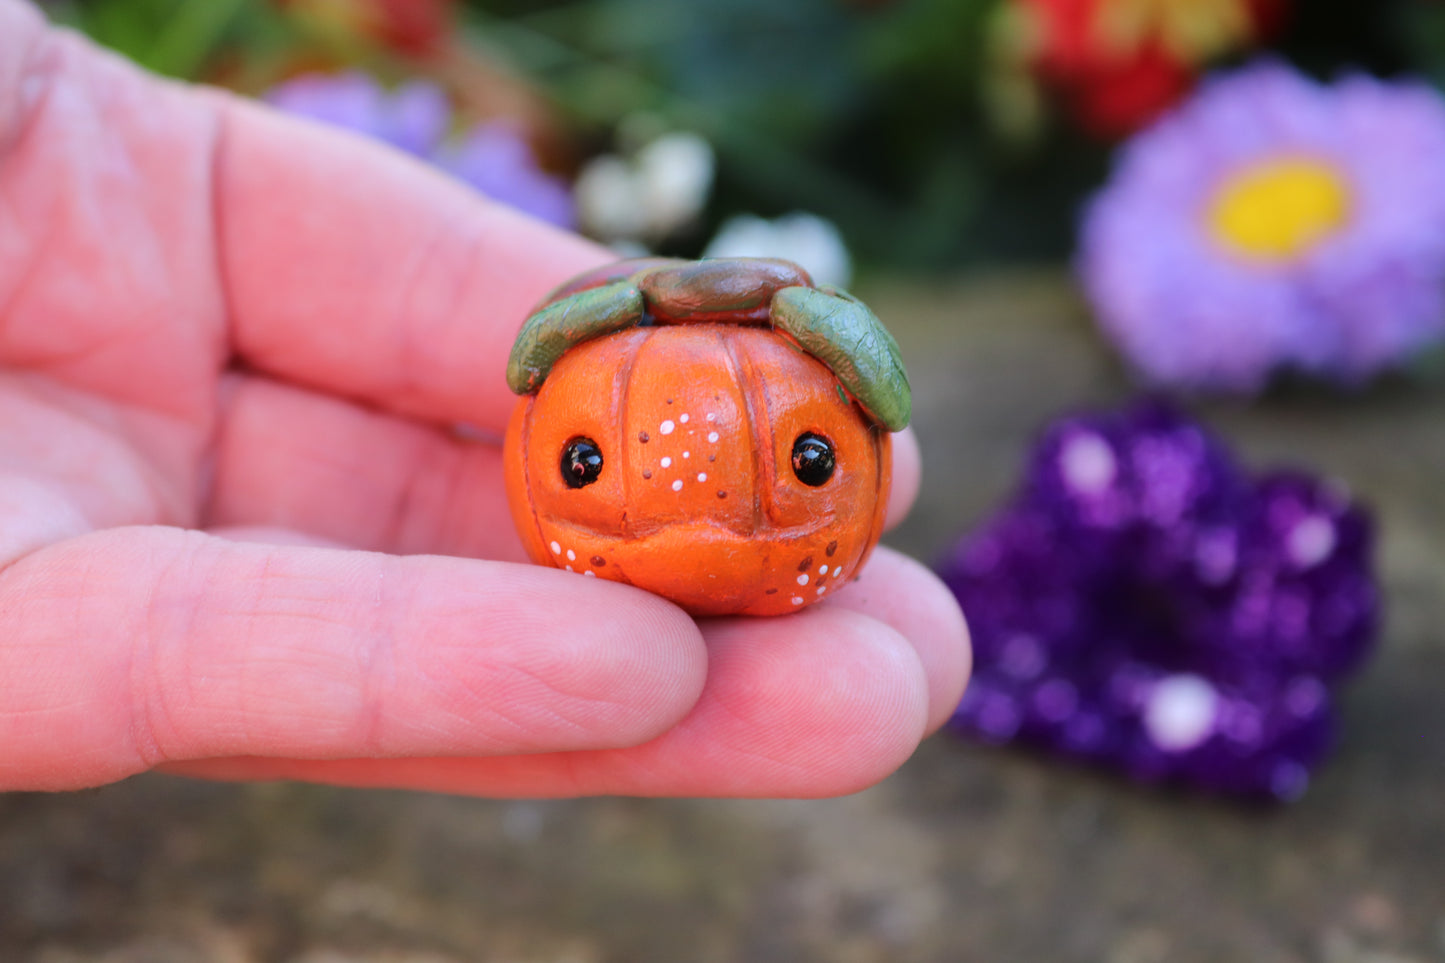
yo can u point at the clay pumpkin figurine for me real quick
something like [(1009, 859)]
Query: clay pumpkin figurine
[(716, 432)]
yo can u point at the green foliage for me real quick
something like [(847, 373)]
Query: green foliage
[(868, 112), (872, 114), (178, 38), (868, 116)]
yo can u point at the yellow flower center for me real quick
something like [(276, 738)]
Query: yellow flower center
[(1279, 209)]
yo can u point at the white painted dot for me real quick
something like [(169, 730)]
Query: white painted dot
[(1311, 541), (590, 572), (702, 476), (667, 463), (797, 600), (1179, 713), (1088, 464), (823, 569), (570, 569), (687, 454), (803, 579), (677, 485), (711, 416), (666, 427), (837, 571), (712, 436), (822, 589), (556, 549), (683, 419), (571, 555)]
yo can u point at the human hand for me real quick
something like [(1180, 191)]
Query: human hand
[(239, 539)]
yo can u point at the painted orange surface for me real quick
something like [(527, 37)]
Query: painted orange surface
[(697, 500)]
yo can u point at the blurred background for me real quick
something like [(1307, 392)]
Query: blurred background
[(935, 134), (1023, 191)]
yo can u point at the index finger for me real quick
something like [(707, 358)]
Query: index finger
[(335, 262), (354, 269)]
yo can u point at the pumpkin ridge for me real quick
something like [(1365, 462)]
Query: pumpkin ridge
[(621, 380), (533, 519), (738, 368), (882, 486)]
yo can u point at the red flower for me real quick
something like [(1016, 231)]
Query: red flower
[(414, 27), (1118, 63)]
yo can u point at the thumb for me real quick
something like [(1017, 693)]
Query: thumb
[(135, 646)]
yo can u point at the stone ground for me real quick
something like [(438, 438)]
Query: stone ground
[(966, 854)]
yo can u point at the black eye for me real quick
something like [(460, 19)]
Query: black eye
[(581, 462), (813, 460)]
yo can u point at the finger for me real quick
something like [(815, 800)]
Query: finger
[(274, 535), (333, 261), (132, 647), (289, 457), (907, 473), (820, 703), (107, 257), (903, 594), (354, 269), (69, 464)]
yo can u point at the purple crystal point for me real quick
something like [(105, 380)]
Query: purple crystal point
[(1144, 603)]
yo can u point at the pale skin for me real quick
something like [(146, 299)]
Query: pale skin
[(240, 539)]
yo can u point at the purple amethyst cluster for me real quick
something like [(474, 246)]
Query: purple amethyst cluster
[(1143, 603)]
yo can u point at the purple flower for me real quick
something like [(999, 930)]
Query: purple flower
[(496, 160), (415, 117), (1145, 604), (1272, 222)]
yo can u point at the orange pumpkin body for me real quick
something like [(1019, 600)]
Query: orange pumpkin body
[(697, 499)]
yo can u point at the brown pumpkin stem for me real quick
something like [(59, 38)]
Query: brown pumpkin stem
[(729, 290)]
